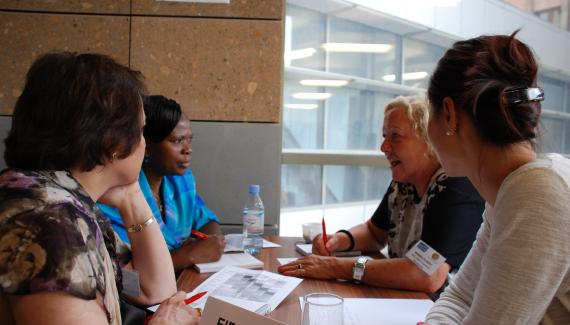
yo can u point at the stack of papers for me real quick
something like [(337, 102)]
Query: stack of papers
[(238, 259)]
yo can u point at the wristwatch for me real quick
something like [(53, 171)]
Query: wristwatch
[(358, 269)]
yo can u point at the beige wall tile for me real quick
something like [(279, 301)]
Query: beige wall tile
[(217, 69), (83, 6), (272, 9), (24, 36)]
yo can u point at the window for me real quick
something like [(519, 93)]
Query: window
[(339, 76), (332, 163), (420, 59)]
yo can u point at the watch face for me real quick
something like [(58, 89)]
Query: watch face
[(358, 269)]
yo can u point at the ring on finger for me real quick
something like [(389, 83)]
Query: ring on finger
[(299, 266)]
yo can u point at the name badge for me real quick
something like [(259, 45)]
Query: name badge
[(219, 312), (425, 257), (131, 283)]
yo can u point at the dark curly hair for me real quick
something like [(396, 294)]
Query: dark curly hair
[(475, 73), (76, 111)]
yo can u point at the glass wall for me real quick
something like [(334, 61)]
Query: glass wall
[(339, 75)]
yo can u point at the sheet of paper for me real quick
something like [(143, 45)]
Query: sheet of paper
[(254, 306), (268, 244), (367, 311), (304, 249), (251, 285), (234, 259), (285, 260)]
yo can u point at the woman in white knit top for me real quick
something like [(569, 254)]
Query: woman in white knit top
[(484, 120)]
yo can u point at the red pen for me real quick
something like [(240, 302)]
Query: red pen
[(187, 301), (324, 233), (195, 297), (199, 234)]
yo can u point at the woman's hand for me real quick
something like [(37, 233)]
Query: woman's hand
[(123, 195), (336, 242), (175, 311), (203, 250), (316, 267)]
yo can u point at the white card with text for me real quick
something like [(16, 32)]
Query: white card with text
[(425, 257), (219, 312)]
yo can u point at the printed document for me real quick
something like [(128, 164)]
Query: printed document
[(234, 283)]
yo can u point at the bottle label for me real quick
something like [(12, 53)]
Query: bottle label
[(253, 222)]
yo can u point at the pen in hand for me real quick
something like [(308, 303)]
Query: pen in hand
[(199, 234), (195, 297), (325, 235)]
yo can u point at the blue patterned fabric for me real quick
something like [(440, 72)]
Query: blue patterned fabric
[(184, 209)]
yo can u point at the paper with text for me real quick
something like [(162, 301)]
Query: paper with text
[(249, 285)]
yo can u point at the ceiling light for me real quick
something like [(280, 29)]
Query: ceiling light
[(324, 83), (356, 47), (407, 76), (415, 75), (300, 54), (315, 96), (389, 77), (301, 106)]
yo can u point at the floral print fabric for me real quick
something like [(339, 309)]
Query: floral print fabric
[(408, 211), (54, 238)]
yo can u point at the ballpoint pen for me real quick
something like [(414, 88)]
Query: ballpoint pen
[(199, 234), (187, 301), (324, 234), (195, 297)]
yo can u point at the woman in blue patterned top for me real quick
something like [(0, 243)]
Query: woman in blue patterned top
[(169, 187)]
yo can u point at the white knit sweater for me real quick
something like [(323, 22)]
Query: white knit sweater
[(518, 269)]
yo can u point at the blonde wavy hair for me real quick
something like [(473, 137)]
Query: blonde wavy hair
[(417, 111)]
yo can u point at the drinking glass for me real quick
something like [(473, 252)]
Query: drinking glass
[(322, 308)]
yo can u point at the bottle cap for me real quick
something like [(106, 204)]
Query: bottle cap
[(254, 189)]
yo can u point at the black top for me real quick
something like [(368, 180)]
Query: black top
[(447, 217)]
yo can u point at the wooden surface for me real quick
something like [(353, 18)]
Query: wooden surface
[(289, 310)]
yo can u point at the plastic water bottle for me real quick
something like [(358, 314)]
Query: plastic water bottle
[(253, 221)]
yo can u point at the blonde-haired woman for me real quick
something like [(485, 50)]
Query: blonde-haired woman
[(421, 203)]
